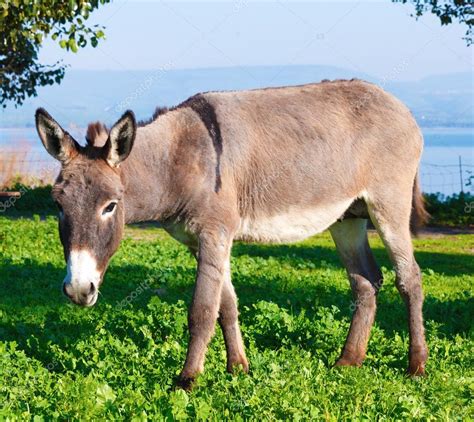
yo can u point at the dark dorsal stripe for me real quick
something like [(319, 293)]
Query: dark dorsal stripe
[(206, 112)]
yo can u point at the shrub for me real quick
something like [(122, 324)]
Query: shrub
[(455, 210)]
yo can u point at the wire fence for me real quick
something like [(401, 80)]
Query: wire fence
[(447, 178), (30, 167), (37, 168)]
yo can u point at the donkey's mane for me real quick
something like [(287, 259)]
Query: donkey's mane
[(158, 112), (97, 134)]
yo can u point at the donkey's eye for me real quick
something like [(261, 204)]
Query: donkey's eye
[(109, 208)]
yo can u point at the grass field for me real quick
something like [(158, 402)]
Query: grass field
[(118, 360)]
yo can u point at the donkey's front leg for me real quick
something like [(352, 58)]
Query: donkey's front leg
[(213, 257), (229, 322)]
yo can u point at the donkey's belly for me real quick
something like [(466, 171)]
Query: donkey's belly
[(292, 226)]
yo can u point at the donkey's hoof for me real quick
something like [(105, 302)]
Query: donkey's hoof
[(185, 383), (416, 370), (349, 360), (416, 362), (346, 362), (238, 364)]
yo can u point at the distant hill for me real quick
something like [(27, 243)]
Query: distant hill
[(439, 100), (84, 96)]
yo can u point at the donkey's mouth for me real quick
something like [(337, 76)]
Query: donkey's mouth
[(84, 302), (90, 301)]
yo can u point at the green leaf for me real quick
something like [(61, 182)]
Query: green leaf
[(203, 410), (105, 394), (179, 401), (72, 45)]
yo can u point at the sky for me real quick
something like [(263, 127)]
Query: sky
[(379, 38)]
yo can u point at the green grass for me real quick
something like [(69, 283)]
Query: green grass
[(118, 360)]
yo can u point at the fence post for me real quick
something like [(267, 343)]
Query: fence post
[(460, 174)]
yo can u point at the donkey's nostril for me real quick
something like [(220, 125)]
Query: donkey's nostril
[(92, 289)]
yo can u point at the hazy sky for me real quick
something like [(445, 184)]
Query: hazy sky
[(376, 37)]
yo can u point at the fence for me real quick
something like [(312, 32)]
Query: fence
[(38, 168), (447, 178), (31, 167)]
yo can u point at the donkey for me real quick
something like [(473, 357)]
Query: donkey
[(265, 165)]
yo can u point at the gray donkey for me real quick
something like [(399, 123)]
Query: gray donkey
[(265, 165)]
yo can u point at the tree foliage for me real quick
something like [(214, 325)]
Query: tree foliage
[(448, 12), (24, 24)]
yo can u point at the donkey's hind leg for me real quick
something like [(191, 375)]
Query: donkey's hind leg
[(391, 217), (350, 237)]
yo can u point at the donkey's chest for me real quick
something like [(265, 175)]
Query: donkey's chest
[(294, 225), (179, 232)]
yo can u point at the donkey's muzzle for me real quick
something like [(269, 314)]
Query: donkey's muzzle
[(83, 296), (83, 277)]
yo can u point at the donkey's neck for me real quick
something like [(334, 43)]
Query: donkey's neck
[(146, 172)]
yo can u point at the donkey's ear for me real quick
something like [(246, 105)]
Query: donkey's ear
[(121, 139), (56, 141)]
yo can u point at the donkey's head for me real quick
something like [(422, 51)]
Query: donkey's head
[(89, 195)]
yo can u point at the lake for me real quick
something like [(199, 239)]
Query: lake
[(440, 170)]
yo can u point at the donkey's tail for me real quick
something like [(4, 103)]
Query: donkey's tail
[(419, 215)]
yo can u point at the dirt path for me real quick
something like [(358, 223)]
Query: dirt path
[(444, 231)]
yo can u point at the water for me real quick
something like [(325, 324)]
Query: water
[(440, 170)]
